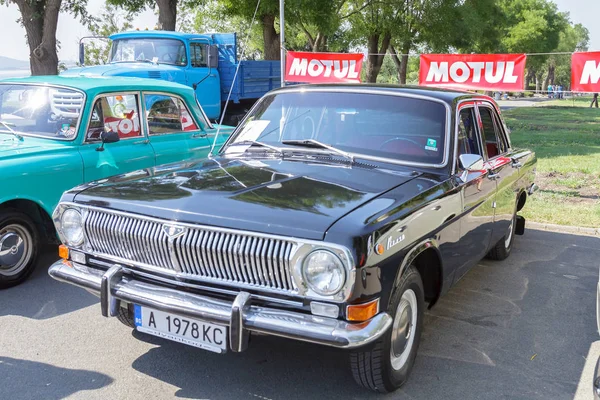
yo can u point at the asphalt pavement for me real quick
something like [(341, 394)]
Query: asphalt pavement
[(523, 328)]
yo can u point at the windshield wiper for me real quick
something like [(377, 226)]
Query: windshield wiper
[(11, 130), (316, 144), (261, 144)]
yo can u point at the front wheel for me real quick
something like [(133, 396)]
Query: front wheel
[(387, 365), (19, 243)]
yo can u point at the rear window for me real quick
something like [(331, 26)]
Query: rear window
[(395, 127)]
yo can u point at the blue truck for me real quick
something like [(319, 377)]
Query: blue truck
[(206, 62)]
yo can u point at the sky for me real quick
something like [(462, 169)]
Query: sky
[(586, 12)]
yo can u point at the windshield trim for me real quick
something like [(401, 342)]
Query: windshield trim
[(112, 46), (51, 85), (447, 125)]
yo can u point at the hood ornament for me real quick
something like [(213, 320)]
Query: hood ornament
[(173, 231)]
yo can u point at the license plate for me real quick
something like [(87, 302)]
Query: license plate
[(181, 329)]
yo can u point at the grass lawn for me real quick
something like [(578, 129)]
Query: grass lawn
[(566, 140)]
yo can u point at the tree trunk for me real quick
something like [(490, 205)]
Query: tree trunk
[(376, 55), (528, 78), (40, 19), (167, 14), (271, 38)]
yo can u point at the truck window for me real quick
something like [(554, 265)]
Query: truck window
[(167, 114), (494, 142), (164, 51), (118, 113), (198, 53)]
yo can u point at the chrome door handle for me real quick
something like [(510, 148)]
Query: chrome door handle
[(146, 141), (199, 135)]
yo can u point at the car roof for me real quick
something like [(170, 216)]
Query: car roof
[(158, 34), (449, 96), (100, 84)]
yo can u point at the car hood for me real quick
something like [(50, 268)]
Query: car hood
[(292, 198), (140, 70), (11, 147)]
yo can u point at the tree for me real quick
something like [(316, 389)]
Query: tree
[(40, 20), (167, 9), (110, 21)]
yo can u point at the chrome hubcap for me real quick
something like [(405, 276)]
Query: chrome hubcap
[(15, 249), (403, 329)]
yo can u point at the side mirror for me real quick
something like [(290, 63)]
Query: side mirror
[(213, 56), (81, 53), (471, 162), (108, 137)]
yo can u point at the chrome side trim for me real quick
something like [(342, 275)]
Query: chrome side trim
[(288, 324)]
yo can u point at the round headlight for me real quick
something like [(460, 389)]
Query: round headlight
[(72, 227), (324, 272)]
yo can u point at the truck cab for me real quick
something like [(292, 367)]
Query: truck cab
[(205, 62)]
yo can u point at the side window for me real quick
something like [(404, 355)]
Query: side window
[(118, 113), (467, 134), (199, 55), (492, 136), (167, 114)]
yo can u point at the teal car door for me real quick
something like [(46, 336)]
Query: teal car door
[(174, 133), (117, 112)]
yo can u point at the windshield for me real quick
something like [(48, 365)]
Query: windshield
[(384, 126), (164, 51), (44, 111)]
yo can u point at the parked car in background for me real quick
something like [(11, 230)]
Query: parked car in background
[(333, 215), (208, 63), (59, 132)]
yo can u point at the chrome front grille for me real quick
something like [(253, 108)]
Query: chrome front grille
[(197, 252)]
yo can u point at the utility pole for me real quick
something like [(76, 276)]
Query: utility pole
[(282, 41)]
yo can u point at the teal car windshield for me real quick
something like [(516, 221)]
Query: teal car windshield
[(37, 110), (163, 51)]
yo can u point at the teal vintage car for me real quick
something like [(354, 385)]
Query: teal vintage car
[(60, 132)]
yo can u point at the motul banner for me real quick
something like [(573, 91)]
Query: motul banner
[(502, 72), (585, 72), (323, 67)]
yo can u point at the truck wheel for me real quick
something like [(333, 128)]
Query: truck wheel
[(19, 245), (125, 316), (387, 365), (502, 249)]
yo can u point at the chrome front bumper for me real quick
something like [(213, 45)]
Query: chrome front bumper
[(241, 316)]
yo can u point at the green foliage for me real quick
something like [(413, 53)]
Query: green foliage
[(110, 21)]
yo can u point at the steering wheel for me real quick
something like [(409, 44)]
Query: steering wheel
[(413, 146), (168, 57)]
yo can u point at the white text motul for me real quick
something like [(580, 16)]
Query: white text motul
[(339, 68), (472, 71), (590, 73)]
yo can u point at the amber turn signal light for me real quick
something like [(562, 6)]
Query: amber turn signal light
[(362, 312), (63, 252)]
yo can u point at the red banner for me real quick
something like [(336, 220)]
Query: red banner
[(323, 67), (473, 71), (585, 72)]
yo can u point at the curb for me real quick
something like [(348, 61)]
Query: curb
[(579, 230)]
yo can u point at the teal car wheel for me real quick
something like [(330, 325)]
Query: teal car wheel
[(19, 242)]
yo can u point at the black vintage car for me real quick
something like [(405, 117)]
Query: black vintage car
[(332, 215)]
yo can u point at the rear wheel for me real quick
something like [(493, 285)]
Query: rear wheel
[(502, 249), (19, 245), (387, 365)]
